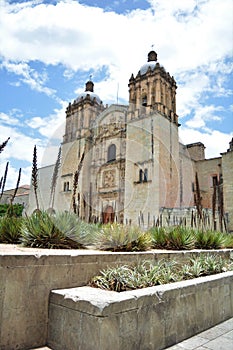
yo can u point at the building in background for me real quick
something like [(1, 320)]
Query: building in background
[(125, 163), (22, 196)]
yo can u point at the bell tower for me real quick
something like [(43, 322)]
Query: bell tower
[(81, 113), (152, 152), (153, 89)]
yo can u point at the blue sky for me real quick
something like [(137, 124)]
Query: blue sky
[(48, 50)]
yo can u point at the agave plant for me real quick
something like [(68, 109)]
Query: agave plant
[(159, 237), (75, 229), (180, 238), (116, 237), (147, 274), (176, 238), (212, 240), (41, 230)]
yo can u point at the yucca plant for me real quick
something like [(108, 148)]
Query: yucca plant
[(176, 238), (158, 237), (180, 238), (211, 239), (116, 237), (147, 274), (40, 230), (10, 229), (75, 229), (205, 265)]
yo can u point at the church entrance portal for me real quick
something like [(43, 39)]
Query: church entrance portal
[(108, 215)]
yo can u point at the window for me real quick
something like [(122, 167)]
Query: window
[(193, 187), (144, 100), (215, 180), (145, 175), (140, 175), (66, 186), (111, 153)]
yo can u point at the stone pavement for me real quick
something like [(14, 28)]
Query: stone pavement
[(219, 337)]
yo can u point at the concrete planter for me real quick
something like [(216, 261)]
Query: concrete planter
[(86, 318)]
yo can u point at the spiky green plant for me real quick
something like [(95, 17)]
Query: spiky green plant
[(10, 229), (175, 238), (180, 238), (206, 265), (117, 237), (158, 237), (41, 230), (73, 228), (211, 239), (148, 274)]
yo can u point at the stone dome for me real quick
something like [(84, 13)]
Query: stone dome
[(88, 93), (146, 66)]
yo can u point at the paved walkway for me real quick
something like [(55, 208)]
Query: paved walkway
[(219, 337)]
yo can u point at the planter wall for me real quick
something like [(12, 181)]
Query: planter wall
[(28, 275), (152, 318)]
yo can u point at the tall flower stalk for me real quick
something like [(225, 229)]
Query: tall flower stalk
[(4, 179), (35, 176), (3, 145), (75, 182), (17, 186), (54, 178)]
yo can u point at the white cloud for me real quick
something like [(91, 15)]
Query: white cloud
[(29, 76), (215, 141), (7, 119), (51, 127), (193, 39), (202, 115)]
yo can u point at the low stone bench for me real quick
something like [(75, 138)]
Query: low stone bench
[(86, 318)]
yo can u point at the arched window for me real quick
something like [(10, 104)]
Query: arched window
[(144, 100), (140, 175), (111, 153), (66, 187), (145, 175)]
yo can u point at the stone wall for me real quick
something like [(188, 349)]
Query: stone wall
[(146, 319), (28, 275)]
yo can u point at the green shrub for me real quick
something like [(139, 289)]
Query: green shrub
[(147, 274), (122, 278), (175, 238), (17, 209), (10, 229), (42, 230), (116, 237), (75, 229), (206, 265), (212, 240)]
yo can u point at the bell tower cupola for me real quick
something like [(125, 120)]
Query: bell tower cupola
[(81, 114), (153, 89)]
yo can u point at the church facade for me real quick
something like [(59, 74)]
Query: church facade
[(125, 163)]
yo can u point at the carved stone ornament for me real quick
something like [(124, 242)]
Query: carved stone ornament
[(109, 178)]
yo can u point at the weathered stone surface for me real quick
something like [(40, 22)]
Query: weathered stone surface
[(28, 275), (168, 314)]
